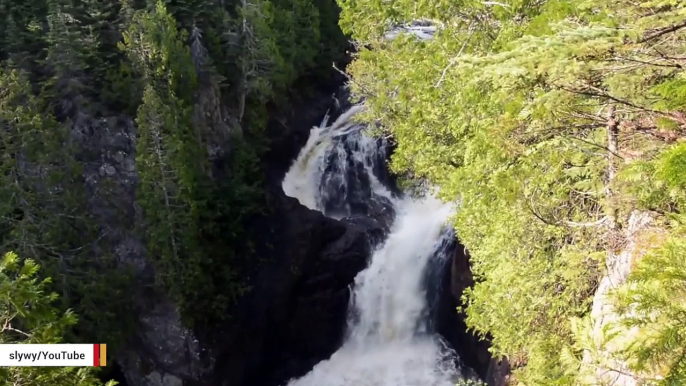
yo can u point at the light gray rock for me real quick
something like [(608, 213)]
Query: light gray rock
[(603, 366), (110, 170), (157, 379), (119, 156), (164, 352)]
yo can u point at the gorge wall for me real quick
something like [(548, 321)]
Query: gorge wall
[(295, 313)]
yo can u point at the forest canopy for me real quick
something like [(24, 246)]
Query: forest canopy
[(191, 83), (551, 123)]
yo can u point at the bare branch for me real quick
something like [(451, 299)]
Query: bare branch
[(350, 79), (614, 153), (8, 327), (619, 59), (586, 224), (663, 31), (454, 59)]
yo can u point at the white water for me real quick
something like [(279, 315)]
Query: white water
[(387, 342), (304, 178)]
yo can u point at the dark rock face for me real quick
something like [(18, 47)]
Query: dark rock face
[(450, 324), (295, 315), (296, 312), (161, 351)]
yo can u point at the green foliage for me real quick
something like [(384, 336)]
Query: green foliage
[(653, 302), (157, 50), (170, 162), (68, 47), (197, 75), (507, 110), (658, 184), (22, 33), (42, 208), (28, 314), (194, 226)]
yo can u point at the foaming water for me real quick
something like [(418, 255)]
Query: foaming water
[(337, 160), (389, 296), (387, 341)]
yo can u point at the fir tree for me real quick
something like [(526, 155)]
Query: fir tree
[(28, 315)]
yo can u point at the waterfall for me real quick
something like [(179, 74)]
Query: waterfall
[(338, 170), (388, 343)]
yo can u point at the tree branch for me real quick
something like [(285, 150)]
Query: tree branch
[(452, 61), (8, 327), (663, 31), (675, 65), (599, 93), (586, 224), (351, 79), (614, 153)]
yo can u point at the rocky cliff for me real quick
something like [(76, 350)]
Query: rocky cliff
[(295, 312), (603, 363), (472, 350)]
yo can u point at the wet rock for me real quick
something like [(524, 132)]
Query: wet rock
[(128, 165), (295, 315), (119, 156), (157, 379), (450, 324), (110, 170)]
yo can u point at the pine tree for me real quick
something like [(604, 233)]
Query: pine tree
[(69, 45), (170, 159), (28, 315), (40, 179), (259, 56), (43, 207), (22, 34)]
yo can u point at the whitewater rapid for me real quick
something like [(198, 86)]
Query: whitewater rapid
[(387, 341)]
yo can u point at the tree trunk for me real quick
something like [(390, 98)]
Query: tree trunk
[(612, 134)]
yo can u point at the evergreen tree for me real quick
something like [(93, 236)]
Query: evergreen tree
[(170, 159), (654, 305), (40, 179), (28, 315), (43, 208), (68, 47), (21, 34), (526, 112)]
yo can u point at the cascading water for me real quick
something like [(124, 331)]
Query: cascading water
[(388, 342), (338, 170)]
